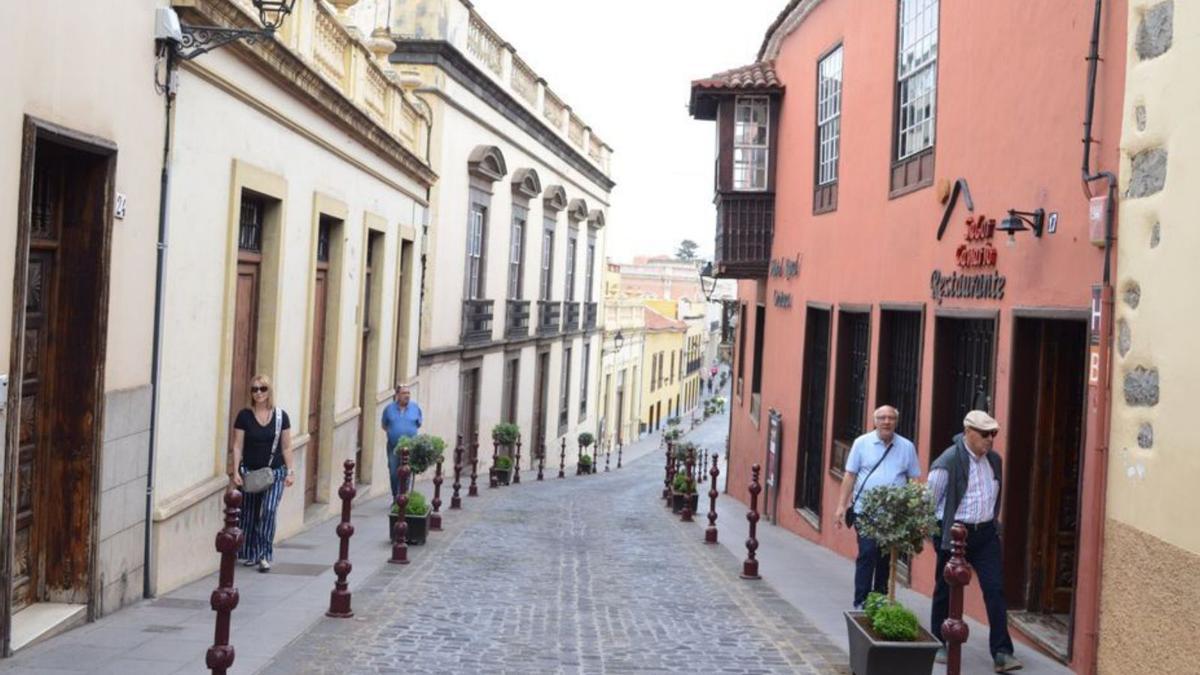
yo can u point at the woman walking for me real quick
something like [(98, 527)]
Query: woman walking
[(262, 453)]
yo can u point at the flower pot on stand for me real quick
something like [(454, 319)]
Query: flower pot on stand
[(871, 655)]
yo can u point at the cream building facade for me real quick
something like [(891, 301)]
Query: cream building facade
[(298, 196), (1151, 542), (620, 368), (509, 327), (80, 157)]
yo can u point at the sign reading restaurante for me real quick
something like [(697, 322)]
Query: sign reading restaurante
[(975, 252)]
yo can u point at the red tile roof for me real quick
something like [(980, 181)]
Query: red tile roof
[(656, 321), (757, 76)]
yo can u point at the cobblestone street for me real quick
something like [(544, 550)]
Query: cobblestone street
[(588, 574)]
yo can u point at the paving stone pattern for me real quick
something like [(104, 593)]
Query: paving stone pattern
[(584, 575)]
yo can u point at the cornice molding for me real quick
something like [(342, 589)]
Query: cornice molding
[(788, 20)]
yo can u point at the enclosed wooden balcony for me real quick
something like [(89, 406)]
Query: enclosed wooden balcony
[(477, 321), (549, 317), (745, 227), (516, 319)]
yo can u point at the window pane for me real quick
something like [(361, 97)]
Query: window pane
[(916, 76), (829, 112)]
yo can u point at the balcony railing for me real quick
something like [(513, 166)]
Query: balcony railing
[(516, 319), (693, 366), (571, 316), (590, 312), (477, 321), (745, 227), (549, 316)]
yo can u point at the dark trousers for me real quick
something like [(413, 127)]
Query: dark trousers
[(870, 570), (987, 559)]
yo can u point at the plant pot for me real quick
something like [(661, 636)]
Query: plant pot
[(503, 476), (418, 529), (870, 656), (694, 502), (677, 501), (391, 525), (585, 468)]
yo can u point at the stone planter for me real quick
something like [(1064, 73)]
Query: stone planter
[(869, 656), (503, 476), (677, 501), (418, 529)]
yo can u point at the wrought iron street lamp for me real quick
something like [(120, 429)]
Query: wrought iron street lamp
[(197, 40), (618, 340), (708, 281), (1016, 221)]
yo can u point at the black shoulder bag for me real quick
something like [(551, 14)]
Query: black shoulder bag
[(850, 515)]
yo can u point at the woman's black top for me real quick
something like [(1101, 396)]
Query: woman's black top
[(256, 446)]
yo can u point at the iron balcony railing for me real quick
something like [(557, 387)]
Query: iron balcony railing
[(477, 321), (516, 319), (549, 317), (590, 312), (571, 316)]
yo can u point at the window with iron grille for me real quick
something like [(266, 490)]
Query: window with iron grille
[(814, 388), (750, 142), (900, 367), (564, 393), (324, 225), (476, 231), (547, 272), (516, 253), (916, 76), (250, 224), (829, 116), (850, 394)]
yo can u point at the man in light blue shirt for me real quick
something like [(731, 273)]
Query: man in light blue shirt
[(881, 457), (401, 418)]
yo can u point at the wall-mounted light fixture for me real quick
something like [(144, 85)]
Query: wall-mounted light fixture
[(1017, 220), (708, 281), (618, 340), (192, 41)]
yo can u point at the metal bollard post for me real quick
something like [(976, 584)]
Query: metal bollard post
[(541, 460), (435, 516), (620, 447), (473, 489), (666, 493), (750, 567), (339, 597), (400, 531), (516, 479), (710, 533), (578, 456), (690, 463), (607, 455), (957, 574), (493, 482), (224, 599), (562, 459), (455, 499)]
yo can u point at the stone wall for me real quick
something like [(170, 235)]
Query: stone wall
[(124, 464)]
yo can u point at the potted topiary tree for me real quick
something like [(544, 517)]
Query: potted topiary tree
[(683, 490), (586, 439), (585, 463), (424, 450), (416, 516), (503, 469), (673, 434), (886, 637)]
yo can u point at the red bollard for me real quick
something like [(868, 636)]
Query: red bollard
[(225, 598), (562, 459), (400, 531), (517, 465), (455, 499), (473, 490), (339, 597), (666, 493), (710, 533), (542, 461), (957, 574), (494, 482), (686, 514), (435, 516), (750, 567)]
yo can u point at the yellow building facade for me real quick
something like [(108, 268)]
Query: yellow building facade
[(663, 354), (1148, 620)]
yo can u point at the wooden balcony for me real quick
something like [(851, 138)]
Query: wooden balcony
[(590, 312), (745, 228), (549, 317), (516, 319), (570, 316), (477, 321)]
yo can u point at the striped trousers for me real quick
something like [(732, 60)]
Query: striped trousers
[(258, 519)]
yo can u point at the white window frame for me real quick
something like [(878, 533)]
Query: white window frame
[(748, 155), (546, 281), (572, 259), (476, 225), (916, 76), (829, 116), (516, 253)]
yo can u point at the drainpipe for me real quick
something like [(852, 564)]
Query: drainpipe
[(1101, 396), (160, 274)]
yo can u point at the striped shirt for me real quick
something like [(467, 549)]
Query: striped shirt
[(979, 501)]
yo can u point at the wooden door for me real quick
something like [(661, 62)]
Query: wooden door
[(366, 393), (815, 389), (539, 397), (468, 411), (317, 378), (245, 338)]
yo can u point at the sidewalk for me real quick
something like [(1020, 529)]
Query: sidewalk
[(819, 582)]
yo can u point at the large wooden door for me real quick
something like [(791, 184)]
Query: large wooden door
[(540, 392), (317, 378), (815, 388), (245, 338), (366, 389)]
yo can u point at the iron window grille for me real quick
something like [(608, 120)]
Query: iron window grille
[(250, 225)]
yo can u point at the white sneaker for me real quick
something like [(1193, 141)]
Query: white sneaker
[(264, 565), (249, 563)]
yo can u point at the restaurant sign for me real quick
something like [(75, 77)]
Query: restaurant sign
[(973, 256)]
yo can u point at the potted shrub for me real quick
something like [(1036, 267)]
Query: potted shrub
[(506, 435), (673, 421), (585, 463), (673, 434), (585, 439), (503, 469), (424, 450), (683, 490), (886, 637), (416, 516)]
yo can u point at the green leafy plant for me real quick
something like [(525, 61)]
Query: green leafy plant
[(683, 484), (896, 623), (417, 505), (424, 450), (682, 449), (504, 463), (506, 434), (585, 460), (673, 421), (873, 603), (673, 434), (586, 438), (899, 518)]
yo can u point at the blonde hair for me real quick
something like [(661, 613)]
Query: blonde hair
[(262, 380)]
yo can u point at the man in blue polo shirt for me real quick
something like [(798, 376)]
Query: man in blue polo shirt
[(881, 457), (401, 418)]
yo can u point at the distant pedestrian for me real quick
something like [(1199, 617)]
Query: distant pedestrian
[(887, 459), (262, 457), (965, 485), (401, 418)]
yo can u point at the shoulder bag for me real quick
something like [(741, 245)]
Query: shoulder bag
[(259, 480), (850, 515)]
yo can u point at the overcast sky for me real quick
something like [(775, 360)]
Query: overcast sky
[(625, 67)]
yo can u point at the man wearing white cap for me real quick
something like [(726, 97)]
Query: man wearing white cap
[(965, 483)]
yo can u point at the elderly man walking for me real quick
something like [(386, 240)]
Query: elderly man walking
[(881, 457), (965, 485), (402, 417)]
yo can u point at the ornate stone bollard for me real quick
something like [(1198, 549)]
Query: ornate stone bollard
[(686, 514), (750, 567), (435, 516), (710, 533), (473, 489), (957, 574), (494, 482), (224, 599), (400, 531), (339, 597), (562, 459), (455, 499), (541, 460), (516, 479), (620, 446)]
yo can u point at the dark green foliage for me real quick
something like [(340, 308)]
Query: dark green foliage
[(504, 463), (424, 450), (683, 484), (873, 603), (681, 451), (585, 460), (894, 622), (673, 434), (673, 421), (586, 439), (899, 517), (506, 434), (417, 505)]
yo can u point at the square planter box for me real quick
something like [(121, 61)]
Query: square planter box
[(869, 656), (418, 528), (694, 503), (503, 476), (585, 468), (677, 501)]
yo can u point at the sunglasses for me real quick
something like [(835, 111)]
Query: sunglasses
[(255, 390), (986, 434)]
